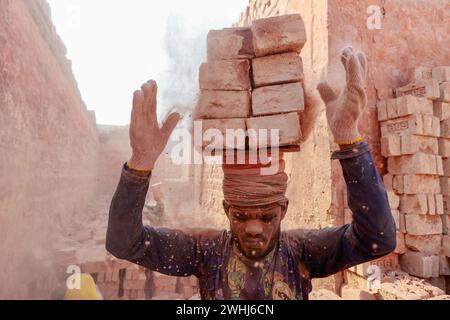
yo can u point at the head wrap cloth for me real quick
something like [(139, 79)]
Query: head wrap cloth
[(245, 186)]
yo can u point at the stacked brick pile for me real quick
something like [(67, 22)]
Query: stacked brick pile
[(415, 137), (121, 280), (253, 80)]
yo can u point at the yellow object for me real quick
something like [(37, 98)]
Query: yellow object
[(347, 143), (88, 290), (139, 170)]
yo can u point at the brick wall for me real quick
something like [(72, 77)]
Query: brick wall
[(48, 144)]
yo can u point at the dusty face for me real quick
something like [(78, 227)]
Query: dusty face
[(256, 229)]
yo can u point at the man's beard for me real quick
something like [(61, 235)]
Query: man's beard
[(253, 254)]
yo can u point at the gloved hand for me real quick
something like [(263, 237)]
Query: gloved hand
[(344, 111)]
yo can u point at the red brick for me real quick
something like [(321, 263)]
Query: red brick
[(439, 204), (134, 284), (164, 281), (446, 246), (445, 128), (390, 145), (94, 267), (140, 295), (446, 224), (133, 294), (411, 124), (439, 166), (108, 276), (278, 34), (388, 181), (277, 69), (421, 74), (401, 246), (441, 110), (193, 281), (396, 215), (402, 223), (446, 166), (445, 92), (225, 75), (428, 125), (288, 124), (398, 184), (446, 200), (224, 104), (419, 163), (230, 43), (414, 204), (385, 93), (420, 265), (441, 74), (429, 244), (436, 127), (115, 275), (411, 144), (382, 111), (391, 107), (431, 204), (394, 199), (445, 185), (423, 224), (129, 272), (138, 275), (389, 262), (428, 89), (223, 125), (444, 147), (189, 292), (414, 184), (278, 99), (408, 105), (444, 265)]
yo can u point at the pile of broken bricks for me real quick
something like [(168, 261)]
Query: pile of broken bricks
[(253, 80), (415, 137)]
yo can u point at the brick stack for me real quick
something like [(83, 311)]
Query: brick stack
[(442, 110), (253, 80), (415, 132)]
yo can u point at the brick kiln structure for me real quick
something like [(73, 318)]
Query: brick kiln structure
[(53, 147)]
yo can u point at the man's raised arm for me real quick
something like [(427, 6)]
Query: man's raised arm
[(167, 251), (372, 233)]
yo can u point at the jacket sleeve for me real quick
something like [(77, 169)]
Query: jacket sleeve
[(171, 252), (371, 235)]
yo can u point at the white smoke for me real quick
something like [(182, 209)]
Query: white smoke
[(185, 46)]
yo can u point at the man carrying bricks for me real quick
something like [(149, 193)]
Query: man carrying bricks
[(255, 259)]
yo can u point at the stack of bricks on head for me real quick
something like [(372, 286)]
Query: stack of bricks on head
[(415, 137), (253, 80)]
